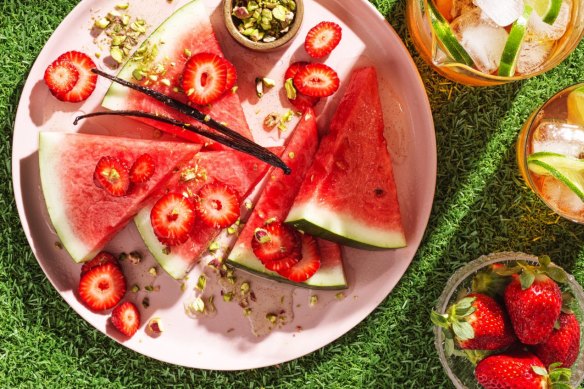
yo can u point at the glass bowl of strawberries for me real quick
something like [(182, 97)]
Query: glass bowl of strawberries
[(511, 320)]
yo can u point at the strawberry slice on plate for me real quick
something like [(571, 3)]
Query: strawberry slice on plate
[(301, 101), (142, 169), (100, 259), (218, 204), (317, 80), (61, 77), (322, 39), (87, 80), (275, 241), (204, 78), (112, 174), (126, 318), (308, 265), (102, 287), (172, 218)]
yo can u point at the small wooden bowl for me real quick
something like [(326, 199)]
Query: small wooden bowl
[(262, 46)]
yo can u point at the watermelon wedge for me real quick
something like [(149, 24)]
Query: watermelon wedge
[(186, 32), (349, 194), (274, 203), (86, 217), (240, 171)]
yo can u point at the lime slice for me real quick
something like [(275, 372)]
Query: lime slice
[(446, 36), (568, 170), (548, 10), (513, 44), (576, 106)]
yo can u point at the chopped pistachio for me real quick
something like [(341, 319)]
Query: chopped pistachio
[(214, 246), (291, 155), (279, 12), (290, 89), (122, 5), (231, 230), (248, 204), (201, 283), (187, 53), (154, 327), (262, 236), (268, 82), (244, 288), (101, 23), (126, 20), (149, 288), (340, 296), (211, 303), (165, 81), (199, 305), (272, 317), (117, 54), (282, 127), (259, 87), (146, 302), (227, 297), (313, 300), (287, 116), (246, 311), (271, 120), (135, 288), (207, 118), (183, 286), (241, 13), (153, 271)]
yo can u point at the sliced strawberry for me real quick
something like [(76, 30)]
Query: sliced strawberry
[(101, 258), (308, 265), (126, 318), (301, 101), (102, 287), (231, 75), (280, 265), (322, 39), (218, 205), (275, 241), (205, 78), (61, 77), (294, 68), (317, 80), (142, 169), (87, 80), (113, 175), (172, 218)]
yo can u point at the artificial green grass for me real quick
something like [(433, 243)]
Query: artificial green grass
[(481, 205)]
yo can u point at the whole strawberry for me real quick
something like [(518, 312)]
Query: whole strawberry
[(563, 344), (478, 322), (533, 307), (517, 369)]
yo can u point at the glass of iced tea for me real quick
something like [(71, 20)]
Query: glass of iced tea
[(550, 153), (490, 42)]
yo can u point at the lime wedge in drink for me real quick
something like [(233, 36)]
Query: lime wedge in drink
[(446, 36), (513, 45), (576, 106), (548, 10), (568, 170)]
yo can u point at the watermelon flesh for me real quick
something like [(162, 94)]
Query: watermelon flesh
[(186, 31), (349, 194), (275, 201), (86, 217), (241, 171)]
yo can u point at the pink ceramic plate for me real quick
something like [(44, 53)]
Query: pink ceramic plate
[(224, 341)]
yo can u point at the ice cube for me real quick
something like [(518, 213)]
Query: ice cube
[(537, 29), (551, 190), (461, 6), (559, 137), (502, 12), (481, 38), (532, 56), (569, 202)]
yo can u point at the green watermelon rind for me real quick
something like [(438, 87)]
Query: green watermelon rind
[(190, 14), (315, 219), (52, 191), (332, 278), (174, 265)]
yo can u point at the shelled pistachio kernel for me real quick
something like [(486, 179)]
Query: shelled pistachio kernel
[(265, 20)]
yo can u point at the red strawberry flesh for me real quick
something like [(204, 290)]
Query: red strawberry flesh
[(322, 39), (101, 258), (172, 218), (231, 78), (308, 265), (205, 78), (87, 79), (275, 241), (102, 287), (218, 205), (112, 175), (317, 80), (563, 344), (533, 311), (142, 169), (126, 318), (61, 77), (301, 101)]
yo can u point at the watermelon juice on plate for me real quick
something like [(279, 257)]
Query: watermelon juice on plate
[(224, 341)]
